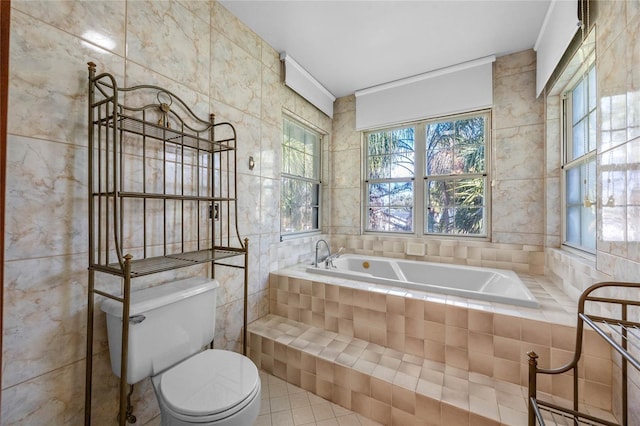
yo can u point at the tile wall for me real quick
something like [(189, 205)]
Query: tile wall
[(206, 56)]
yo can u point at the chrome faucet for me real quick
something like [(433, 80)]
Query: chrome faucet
[(329, 260), (328, 251)]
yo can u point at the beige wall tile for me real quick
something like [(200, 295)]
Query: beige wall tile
[(504, 326)]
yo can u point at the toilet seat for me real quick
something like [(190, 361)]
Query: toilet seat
[(210, 386)]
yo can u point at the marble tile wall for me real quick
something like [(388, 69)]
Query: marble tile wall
[(517, 152), (617, 32), (195, 49)]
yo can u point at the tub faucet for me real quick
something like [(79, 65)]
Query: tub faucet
[(328, 262), (328, 251)]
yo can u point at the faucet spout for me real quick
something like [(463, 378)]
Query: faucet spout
[(315, 263)]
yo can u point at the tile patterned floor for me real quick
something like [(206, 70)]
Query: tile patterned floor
[(284, 404)]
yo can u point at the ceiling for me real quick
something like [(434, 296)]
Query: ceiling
[(350, 45)]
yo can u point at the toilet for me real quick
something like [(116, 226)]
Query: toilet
[(168, 327)]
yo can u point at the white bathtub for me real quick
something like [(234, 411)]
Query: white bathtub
[(493, 285)]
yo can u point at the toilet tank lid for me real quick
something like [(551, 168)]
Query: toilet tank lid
[(161, 295)]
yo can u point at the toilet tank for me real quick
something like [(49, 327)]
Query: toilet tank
[(167, 324)]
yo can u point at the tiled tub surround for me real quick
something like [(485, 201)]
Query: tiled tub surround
[(405, 357)]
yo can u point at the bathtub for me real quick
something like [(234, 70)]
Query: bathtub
[(493, 285)]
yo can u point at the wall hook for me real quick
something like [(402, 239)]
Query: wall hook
[(252, 163)]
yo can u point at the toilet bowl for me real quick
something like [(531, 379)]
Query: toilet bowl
[(213, 387)]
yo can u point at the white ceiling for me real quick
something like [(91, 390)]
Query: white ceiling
[(350, 45)]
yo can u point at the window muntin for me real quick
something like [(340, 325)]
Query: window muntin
[(450, 155), (300, 179), (579, 164)]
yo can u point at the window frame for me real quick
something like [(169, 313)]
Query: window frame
[(316, 181), (589, 156), (389, 180), (420, 179)]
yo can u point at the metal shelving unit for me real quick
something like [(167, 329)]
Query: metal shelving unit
[(162, 196), (620, 329)]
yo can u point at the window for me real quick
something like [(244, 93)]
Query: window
[(579, 164), (449, 155), (391, 163), (300, 192)]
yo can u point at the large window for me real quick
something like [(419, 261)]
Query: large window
[(449, 157), (580, 163), (300, 193)]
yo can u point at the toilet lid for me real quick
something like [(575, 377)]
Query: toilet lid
[(210, 382)]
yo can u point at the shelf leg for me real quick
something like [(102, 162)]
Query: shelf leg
[(89, 351), (124, 355), (533, 366), (246, 296)]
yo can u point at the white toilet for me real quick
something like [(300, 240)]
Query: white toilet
[(168, 327)]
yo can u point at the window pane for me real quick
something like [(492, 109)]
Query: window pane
[(378, 219), (469, 192), (401, 194), (286, 159), (578, 140), (578, 102), (455, 147), (439, 162), (573, 225), (588, 231), (309, 166), (296, 162), (296, 136), (391, 154), (312, 154), (455, 206), (580, 198), (469, 221), (591, 144), (439, 214), (592, 89), (440, 220), (401, 219), (440, 135), (379, 194), (390, 206), (573, 191), (440, 193), (402, 165), (440, 144)]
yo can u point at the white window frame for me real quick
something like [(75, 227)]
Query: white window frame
[(420, 179), (588, 192), (313, 180)]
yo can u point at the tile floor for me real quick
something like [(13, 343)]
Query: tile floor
[(284, 404)]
